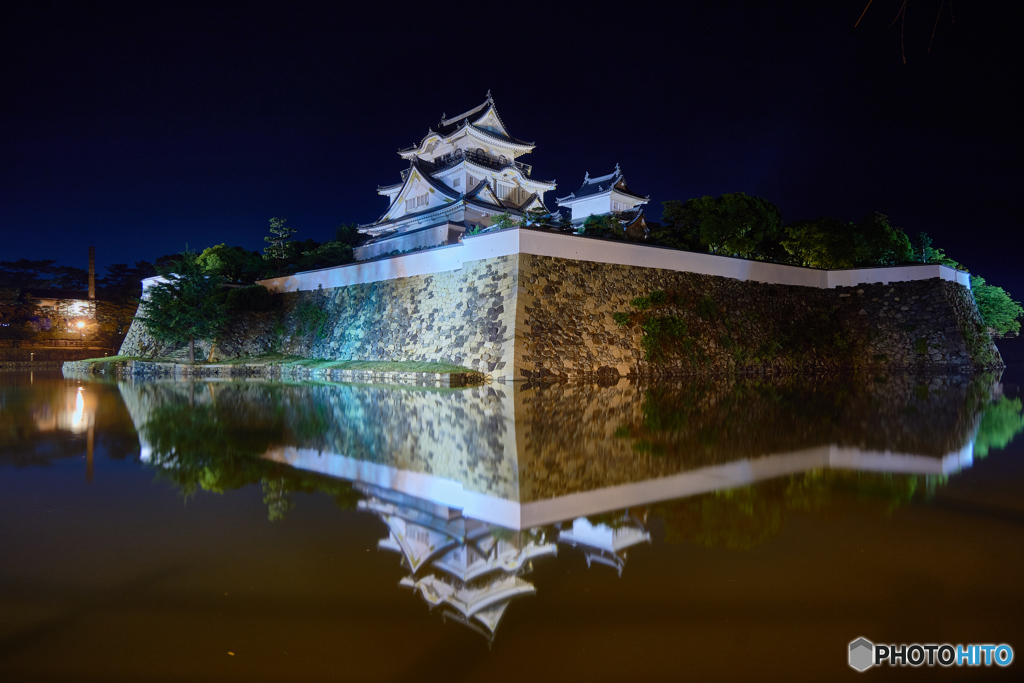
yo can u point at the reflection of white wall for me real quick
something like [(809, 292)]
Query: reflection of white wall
[(515, 241), (515, 515)]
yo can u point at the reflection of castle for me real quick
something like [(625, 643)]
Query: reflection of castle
[(469, 570), (603, 543)]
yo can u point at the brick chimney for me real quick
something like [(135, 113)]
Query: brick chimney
[(92, 273)]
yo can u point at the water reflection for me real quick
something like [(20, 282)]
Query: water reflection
[(524, 456), (44, 418), (475, 487)]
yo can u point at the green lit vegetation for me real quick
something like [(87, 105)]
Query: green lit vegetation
[(998, 310), (189, 304), (1001, 423), (734, 224), (214, 447), (749, 516)]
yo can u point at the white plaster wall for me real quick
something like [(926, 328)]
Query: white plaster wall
[(418, 263), (509, 242), (591, 206)]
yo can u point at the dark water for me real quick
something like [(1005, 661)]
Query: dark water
[(736, 529)]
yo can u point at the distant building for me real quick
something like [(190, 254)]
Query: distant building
[(461, 175), (604, 195), (70, 304)]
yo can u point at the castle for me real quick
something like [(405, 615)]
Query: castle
[(465, 173)]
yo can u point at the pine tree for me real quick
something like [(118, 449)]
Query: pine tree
[(280, 233), (189, 304)]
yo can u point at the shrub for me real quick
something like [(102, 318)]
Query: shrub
[(255, 298)]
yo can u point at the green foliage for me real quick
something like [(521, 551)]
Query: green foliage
[(732, 224), (830, 243), (1001, 423), (504, 220), (606, 226), (539, 217), (254, 298), (280, 233), (746, 517), (707, 309), (234, 264), (314, 256), (998, 310), (921, 346), (188, 305), (822, 243), (311, 316), (877, 243), (662, 336), (348, 233), (641, 303), (217, 448)]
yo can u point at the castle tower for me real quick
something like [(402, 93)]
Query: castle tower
[(461, 175)]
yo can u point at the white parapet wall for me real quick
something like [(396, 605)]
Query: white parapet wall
[(516, 241)]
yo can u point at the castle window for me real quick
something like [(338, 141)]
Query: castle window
[(456, 182), (415, 202)]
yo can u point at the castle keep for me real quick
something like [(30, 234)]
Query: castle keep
[(444, 277)]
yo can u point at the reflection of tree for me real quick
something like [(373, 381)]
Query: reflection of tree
[(1001, 422), (217, 447), (747, 517), (708, 422)]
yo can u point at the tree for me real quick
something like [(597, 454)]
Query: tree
[(17, 312), (821, 243), (24, 273), (732, 224), (504, 220), (234, 264), (607, 226), (189, 305), (348, 233), (1000, 313), (880, 244), (280, 233)]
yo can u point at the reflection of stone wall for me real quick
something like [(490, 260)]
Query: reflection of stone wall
[(461, 435), (565, 324), (582, 437)]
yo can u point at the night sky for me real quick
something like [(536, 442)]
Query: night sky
[(145, 126)]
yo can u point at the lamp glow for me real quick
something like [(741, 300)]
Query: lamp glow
[(79, 324)]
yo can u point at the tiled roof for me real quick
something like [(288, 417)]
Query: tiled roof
[(599, 185)]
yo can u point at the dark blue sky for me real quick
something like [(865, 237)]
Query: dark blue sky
[(142, 127)]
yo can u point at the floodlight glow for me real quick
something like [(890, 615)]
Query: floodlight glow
[(79, 324)]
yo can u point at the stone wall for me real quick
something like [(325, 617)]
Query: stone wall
[(565, 324), (524, 316), (465, 317)]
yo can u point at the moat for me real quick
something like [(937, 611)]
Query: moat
[(699, 528)]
